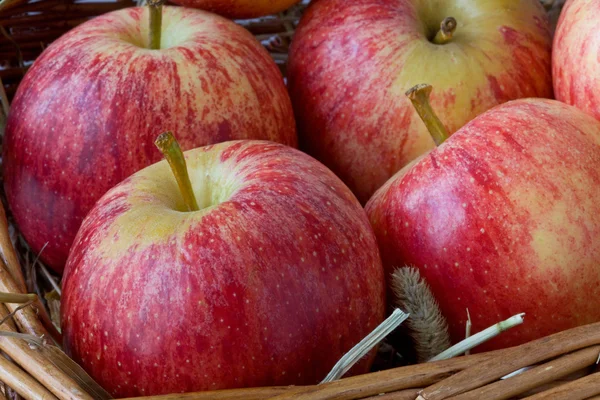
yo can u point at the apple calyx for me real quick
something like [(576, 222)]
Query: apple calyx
[(169, 147), (155, 7), (419, 96), (447, 28)]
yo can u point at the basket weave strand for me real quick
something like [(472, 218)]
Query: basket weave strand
[(568, 358)]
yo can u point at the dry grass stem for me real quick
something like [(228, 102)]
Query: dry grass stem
[(407, 394), (535, 377), (17, 298), (580, 389), (9, 255), (479, 338), (74, 370), (46, 274), (26, 319), (12, 314), (513, 359), (387, 381), (38, 366), (235, 394), (22, 383), (468, 327), (428, 328), (366, 345)]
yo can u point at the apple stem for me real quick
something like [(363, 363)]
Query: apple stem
[(156, 7), (447, 28), (419, 96), (168, 145)]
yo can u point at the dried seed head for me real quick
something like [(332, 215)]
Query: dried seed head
[(427, 326)]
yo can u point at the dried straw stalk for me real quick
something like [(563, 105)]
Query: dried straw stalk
[(235, 394), (361, 386), (39, 366), (9, 256), (580, 389), (408, 394), (22, 383), (512, 360), (536, 377), (461, 378)]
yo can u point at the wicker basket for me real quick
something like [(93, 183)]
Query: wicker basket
[(562, 366)]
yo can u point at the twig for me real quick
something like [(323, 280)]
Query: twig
[(3, 390), (580, 389), (50, 278), (12, 281), (480, 338), (22, 383), (9, 255), (75, 371), (361, 386), (31, 339), (266, 36), (34, 362), (535, 377), (235, 394), (17, 298), (17, 48), (32, 274), (5, 108), (407, 394), (27, 318), (364, 346), (12, 314), (513, 359)]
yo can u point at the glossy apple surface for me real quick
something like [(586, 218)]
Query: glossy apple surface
[(503, 218), (240, 8), (86, 114), (270, 283), (575, 62), (351, 63)]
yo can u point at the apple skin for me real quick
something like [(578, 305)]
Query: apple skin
[(240, 8), (270, 283), (351, 63), (503, 218), (86, 114), (575, 64)]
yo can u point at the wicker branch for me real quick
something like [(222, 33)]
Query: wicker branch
[(34, 362), (235, 394), (580, 389), (408, 394), (535, 377), (513, 359), (361, 386), (21, 382), (26, 318), (9, 256)]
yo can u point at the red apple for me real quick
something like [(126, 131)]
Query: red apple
[(575, 62), (98, 92), (503, 218), (240, 8), (351, 62), (269, 283)]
